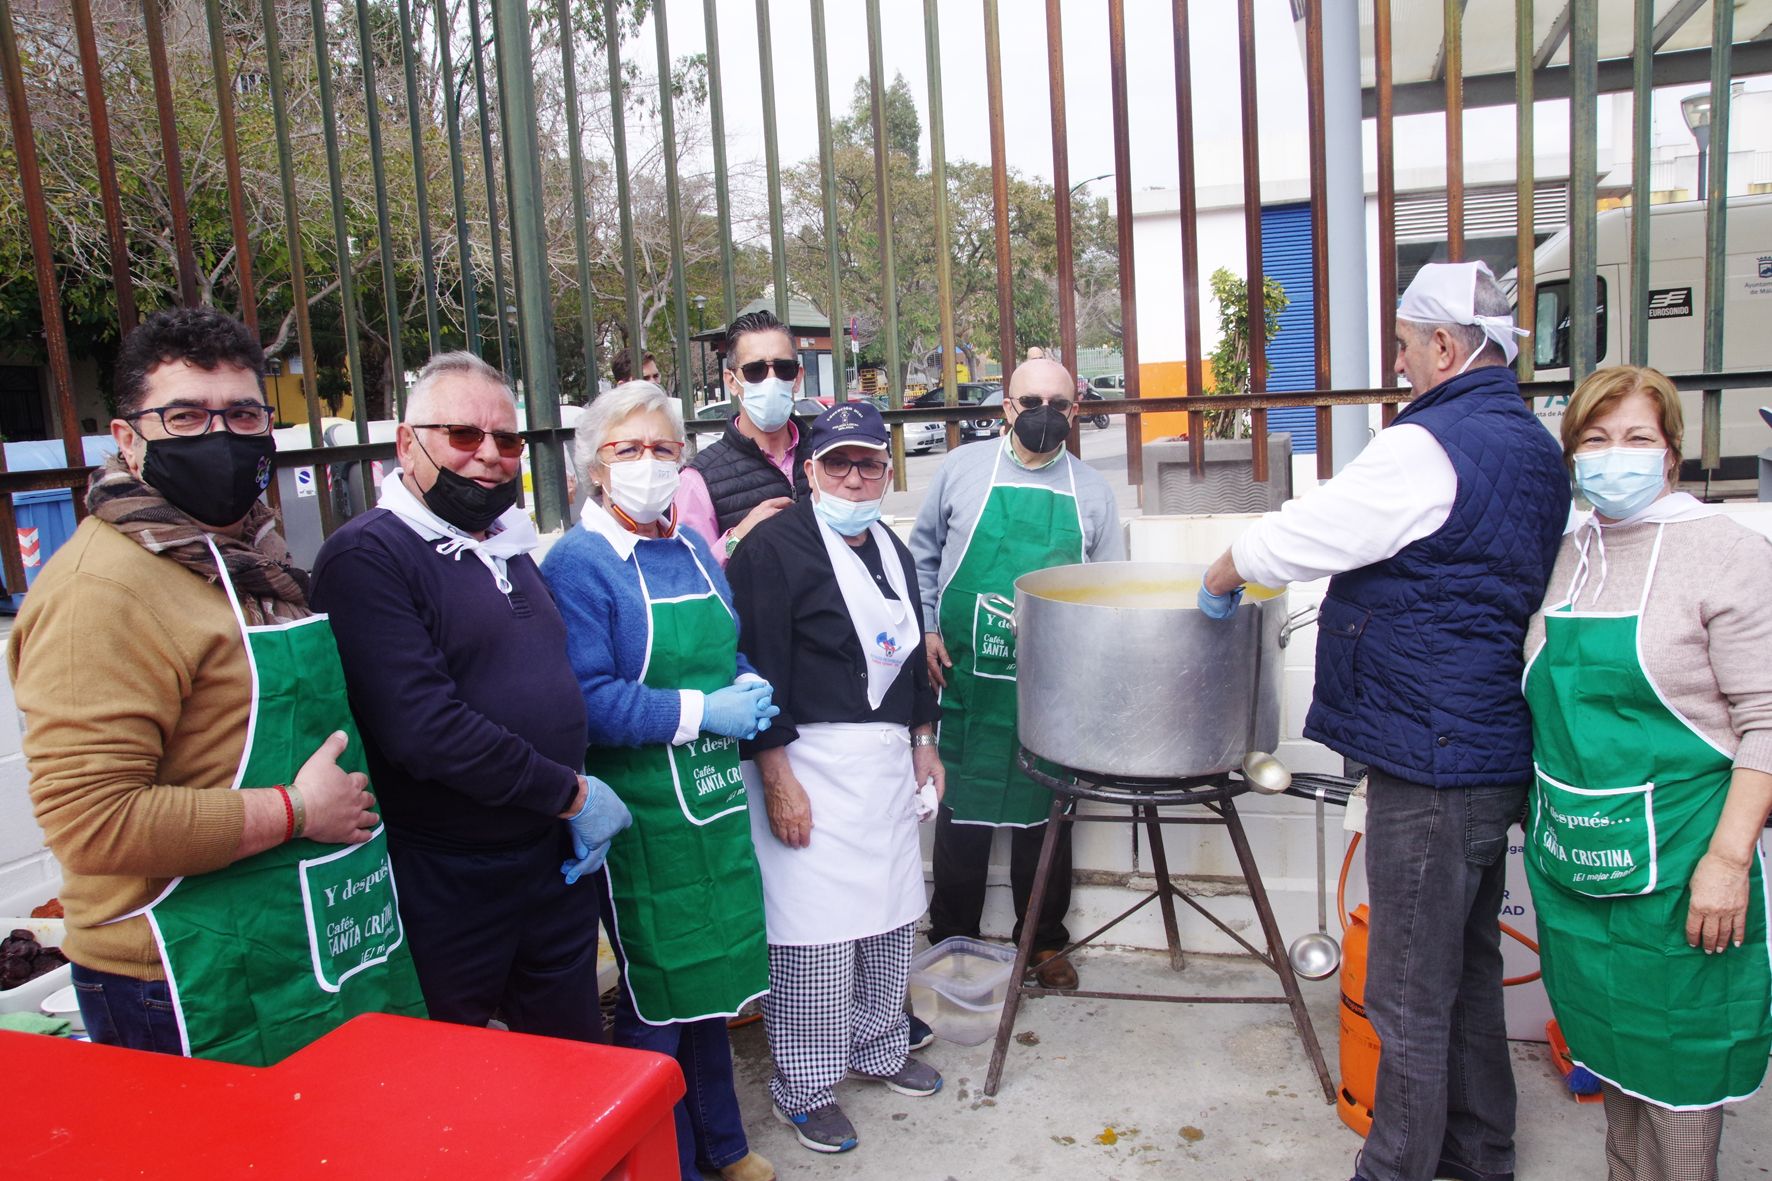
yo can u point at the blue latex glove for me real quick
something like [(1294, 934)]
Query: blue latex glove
[(1219, 606), (593, 827), (739, 710)]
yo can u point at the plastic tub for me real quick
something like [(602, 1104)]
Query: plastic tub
[(958, 987)]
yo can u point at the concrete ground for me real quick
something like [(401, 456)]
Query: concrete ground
[(1108, 1090)]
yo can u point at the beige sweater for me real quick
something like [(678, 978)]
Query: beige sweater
[(135, 690), (1707, 627)]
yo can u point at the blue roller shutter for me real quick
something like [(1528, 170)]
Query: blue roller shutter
[(1291, 356)]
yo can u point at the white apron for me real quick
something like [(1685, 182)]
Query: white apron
[(862, 872)]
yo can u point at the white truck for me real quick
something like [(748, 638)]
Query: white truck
[(1676, 315)]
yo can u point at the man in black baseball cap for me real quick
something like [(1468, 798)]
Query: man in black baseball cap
[(829, 614)]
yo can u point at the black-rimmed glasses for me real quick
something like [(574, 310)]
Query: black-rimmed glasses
[(242, 418), (1034, 402), (837, 467)]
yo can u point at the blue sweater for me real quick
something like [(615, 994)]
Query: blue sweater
[(608, 622), (464, 698)]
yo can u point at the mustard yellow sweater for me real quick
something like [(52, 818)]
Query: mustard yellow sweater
[(132, 679)]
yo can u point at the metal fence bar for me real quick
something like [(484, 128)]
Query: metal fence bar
[(1387, 205), (49, 298), (618, 118), (1252, 235), (224, 113), (502, 104), (993, 84), (175, 177), (1642, 94), (458, 182), (575, 160), (481, 115), (1123, 223), (92, 76), (827, 164), (1061, 205), (1319, 164), (888, 255), (421, 186), (722, 190), (1190, 232), (778, 253), (938, 175), (1453, 62), (541, 376), (1584, 47), (390, 288), (1525, 189), (679, 289), (1716, 226)]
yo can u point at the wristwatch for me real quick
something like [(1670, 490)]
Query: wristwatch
[(731, 543), (922, 740)]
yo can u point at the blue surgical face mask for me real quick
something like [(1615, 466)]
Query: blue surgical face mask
[(848, 517), (769, 402), (1621, 482)]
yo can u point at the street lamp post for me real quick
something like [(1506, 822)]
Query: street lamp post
[(1696, 109), (701, 350), (516, 358)]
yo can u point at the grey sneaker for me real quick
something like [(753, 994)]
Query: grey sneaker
[(913, 1078), (823, 1129)]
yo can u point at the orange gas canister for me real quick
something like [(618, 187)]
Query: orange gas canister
[(1359, 1041)]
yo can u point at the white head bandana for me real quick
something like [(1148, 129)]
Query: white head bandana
[(1446, 293)]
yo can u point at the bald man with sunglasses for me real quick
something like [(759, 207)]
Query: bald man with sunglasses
[(455, 660)]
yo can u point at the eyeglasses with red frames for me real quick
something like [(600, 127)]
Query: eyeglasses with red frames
[(628, 450), (466, 437)]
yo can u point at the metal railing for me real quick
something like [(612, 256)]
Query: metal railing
[(467, 92)]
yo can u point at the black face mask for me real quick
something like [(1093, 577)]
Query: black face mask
[(467, 504), (1042, 430), (212, 478)]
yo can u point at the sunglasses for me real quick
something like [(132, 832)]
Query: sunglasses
[(1034, 402), (756, 371), (463, 437)]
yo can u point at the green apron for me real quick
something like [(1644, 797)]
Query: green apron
[(273, 951), (1627, 797), (1020, 529), (688, 897)]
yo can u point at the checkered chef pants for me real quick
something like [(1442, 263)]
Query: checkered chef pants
[(832, 1008), (1645, 1142)]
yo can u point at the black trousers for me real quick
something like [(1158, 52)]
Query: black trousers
[(499, 932), (962, 862)]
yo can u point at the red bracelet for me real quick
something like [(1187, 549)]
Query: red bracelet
[(288, 814)]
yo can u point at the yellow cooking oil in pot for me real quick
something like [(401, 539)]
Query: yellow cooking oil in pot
[(1145, 593)]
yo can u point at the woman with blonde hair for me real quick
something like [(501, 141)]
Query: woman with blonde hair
[(1649, 677)]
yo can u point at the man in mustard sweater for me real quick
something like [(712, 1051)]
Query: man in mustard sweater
[(166, 655)]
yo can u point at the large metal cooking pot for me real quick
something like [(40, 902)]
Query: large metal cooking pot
[(1119, 673)]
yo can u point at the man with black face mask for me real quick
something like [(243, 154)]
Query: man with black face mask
[(993, 514), (455, 658), (187, 728)]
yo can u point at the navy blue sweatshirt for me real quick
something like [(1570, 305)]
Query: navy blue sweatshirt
[(471, 716)]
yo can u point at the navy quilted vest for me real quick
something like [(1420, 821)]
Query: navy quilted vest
[(1419, 656), (740, 477)]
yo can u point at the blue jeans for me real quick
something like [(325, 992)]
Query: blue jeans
[(124, 1011), (710, 1130), (1436, 867)]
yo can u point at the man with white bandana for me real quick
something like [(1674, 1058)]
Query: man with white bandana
[(757, 467), (1440, 537), (455, 659)]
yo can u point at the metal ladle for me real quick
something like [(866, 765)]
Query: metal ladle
[(1317, 955), (1265, 774)]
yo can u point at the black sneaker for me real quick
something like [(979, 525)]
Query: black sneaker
[(823, 1129), (922, 1037)]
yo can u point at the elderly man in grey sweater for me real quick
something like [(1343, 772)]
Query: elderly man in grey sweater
[(994, 513)]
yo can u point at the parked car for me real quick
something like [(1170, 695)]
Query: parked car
[(1110, 384), (920, 438), (715, 411), (984, 428)]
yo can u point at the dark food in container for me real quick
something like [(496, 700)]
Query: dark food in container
[(23, 959)]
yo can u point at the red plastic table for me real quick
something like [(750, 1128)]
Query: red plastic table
[(380, 1097)]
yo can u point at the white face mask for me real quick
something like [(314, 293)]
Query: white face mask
[(769, 402), (643, 488)]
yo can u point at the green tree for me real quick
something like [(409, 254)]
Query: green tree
[(1230, 360)]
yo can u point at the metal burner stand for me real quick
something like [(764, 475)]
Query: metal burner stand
[(1146, 798)]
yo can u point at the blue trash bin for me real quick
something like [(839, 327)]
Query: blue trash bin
[(45, 519)]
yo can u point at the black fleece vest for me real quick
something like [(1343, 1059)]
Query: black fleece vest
[(740, 477)]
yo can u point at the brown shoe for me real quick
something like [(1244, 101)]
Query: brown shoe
[(1053, 972), (751, 1167)]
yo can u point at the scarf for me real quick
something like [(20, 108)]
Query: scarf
[(271, 589), (512, 534)]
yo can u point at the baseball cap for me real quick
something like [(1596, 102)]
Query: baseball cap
[(849, 424)]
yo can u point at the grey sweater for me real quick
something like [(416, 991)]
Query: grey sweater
[(944, 525), (1707, 626)]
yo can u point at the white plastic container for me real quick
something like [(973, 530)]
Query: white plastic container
[(958, 987), (28, 996)]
